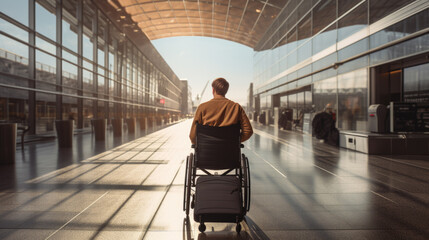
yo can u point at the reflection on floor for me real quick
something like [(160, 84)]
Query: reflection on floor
[(301, 189)]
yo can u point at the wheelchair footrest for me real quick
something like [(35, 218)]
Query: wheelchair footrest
[(218, 199)]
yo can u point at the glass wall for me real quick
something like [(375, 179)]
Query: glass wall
[(416, 84), (90, 69), (330, 47)]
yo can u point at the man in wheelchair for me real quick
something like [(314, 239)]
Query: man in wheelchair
[(221, 112), (217, 179)]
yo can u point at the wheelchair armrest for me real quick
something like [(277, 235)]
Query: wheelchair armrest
[(241, 145), (193, 146)]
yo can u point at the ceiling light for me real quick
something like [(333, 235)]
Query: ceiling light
[(122, 17), (258, 10), (136, 30)]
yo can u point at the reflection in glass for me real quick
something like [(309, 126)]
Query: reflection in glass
[(13, 57), (13, 30), (88, 113), (325, 92), (100, 81), (69, 108), (416, 83), (352, 100), (88, 15), (100, 57), (381, 8), (87, 47), (46, 19), (87, 80), (70, 24), (13, 105), (45, 112), (46, 46), (16, 9), (324, 14), (45, 68), (324, 40), (69, 75), (353, 21)]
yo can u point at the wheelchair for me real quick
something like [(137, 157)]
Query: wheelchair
[(217, 178)]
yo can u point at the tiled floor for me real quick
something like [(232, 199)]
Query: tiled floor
[(301, 189)]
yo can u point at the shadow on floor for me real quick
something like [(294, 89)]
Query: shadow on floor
[(253, 232)]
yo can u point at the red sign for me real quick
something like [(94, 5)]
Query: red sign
[(162, 101)]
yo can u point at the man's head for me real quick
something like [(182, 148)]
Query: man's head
[(220, 86)]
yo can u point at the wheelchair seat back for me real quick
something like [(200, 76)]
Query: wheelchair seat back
[(218, 147)]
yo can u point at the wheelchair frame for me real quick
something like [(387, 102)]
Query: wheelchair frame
[(194, 170)]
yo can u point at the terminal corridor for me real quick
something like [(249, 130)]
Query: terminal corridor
[(301, 189)]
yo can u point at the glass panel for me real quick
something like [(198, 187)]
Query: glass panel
[(70, 57), (100, 81), (300, 99), (69, 76), (46, 19), (352, 22), (401, 29), (416, 83), (352, 100), (111, 64), (13, 105), (87, 80), (45, 112), (87, 47), (70, 24), (14, 60), (324, 40), (325, 92), (46, 70), (324, 14), (291, 49), (16, 9), (354, 49), (284, 102), (100, 57), (353, 65), (345, 5), (88, 35), (304, 28), (69, 108), (13, 30), (417, 45), (46, 46), (88, 113), (308, 100), (381, 8)]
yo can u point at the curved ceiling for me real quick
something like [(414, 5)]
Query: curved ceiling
[(242, 21)]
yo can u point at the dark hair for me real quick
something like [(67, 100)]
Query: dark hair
[(220, 85)]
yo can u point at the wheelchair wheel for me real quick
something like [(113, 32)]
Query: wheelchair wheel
[(245, 169), (187, 185)]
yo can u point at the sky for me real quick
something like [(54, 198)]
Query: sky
[(202, 59)]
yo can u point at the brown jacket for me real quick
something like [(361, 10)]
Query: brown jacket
[(220, 112)]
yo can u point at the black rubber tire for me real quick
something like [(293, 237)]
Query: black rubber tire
[(238, 228), (188, 183), (185, 184), (246, 182), (202, 227)]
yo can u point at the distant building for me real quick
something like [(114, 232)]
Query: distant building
[(186, 105)]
